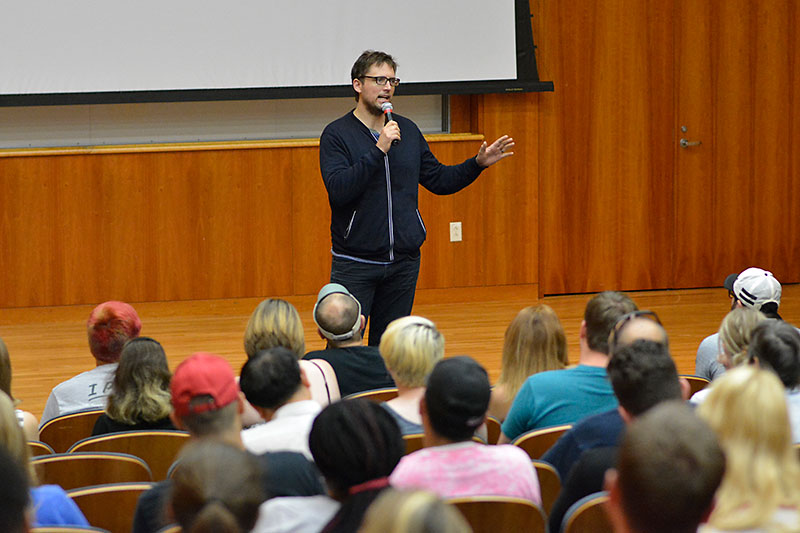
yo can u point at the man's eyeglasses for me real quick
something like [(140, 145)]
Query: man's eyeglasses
[(613, 338), (381, 80)]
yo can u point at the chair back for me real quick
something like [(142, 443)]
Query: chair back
[(549, 484), (588, 515), (158, 448), (83, 469), (490, 514), (375, 395), (492, 430), (170, 529), (536, 442), (65, 430), (696, 383), (413, 442), (111, 506), (39, 448), (68, 529)]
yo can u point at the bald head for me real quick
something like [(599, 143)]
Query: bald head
[(641, 329), (337, 313)]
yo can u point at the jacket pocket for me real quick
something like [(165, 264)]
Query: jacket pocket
[(421, 223), (350, 224)]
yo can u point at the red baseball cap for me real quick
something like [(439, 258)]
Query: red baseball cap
[(203, 374)]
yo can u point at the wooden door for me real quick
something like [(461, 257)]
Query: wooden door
[(606, 210), (737, 195)]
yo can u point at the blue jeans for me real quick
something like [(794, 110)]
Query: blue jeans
[(385, 292)]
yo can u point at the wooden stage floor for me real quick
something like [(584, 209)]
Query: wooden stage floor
[(48, 344)]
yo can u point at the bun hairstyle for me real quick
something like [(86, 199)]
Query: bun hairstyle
[(216, 488)]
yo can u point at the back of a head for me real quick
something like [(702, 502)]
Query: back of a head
[(747, 409), (216, 488), (5, 369), (14, 492), (410, 347), (457, 397), (355, 444), (12, 438), (758, 289), (601, 314), (337, 314), (776, 345), (413, 511), (205, 395), (643, 375), (141, 383), (274, 322), (735, 333), (534, 342), (670, 465), (110, 325), (270, 378)]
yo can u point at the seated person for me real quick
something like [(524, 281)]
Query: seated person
[(276, 386), (338, 317), (410, 346), (452, 464), (139, 396), (27, 421), (570, 395), (110, 326), (670, 465)]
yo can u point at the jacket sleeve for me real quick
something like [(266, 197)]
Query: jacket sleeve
[(345, 180), (445, 179)]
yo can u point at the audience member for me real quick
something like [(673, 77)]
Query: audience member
[(51, 505), (605, 429), (276, 322), (276, 386), (356, 444), (14, 499), (28, 422), (452, 464), (643, 375), (140, 397), (110, 325), (761, 487), (733, 339), (410, 346), (413, 511), (567, 396), (753, 288), (216, 487), (534, 342), (670, 465), (338, 317), (207, 403), (775, 345)]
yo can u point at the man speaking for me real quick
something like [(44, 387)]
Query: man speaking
[(372, 165)]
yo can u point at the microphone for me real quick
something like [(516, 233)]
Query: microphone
[(387, 109)]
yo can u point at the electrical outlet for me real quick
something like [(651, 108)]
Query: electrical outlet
[(455, 232)]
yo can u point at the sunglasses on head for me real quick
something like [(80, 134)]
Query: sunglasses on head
[(624, 321)]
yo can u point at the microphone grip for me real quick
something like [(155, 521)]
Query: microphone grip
[(389, 118)]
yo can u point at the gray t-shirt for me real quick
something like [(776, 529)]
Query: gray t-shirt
[(84, 391), (705, 364)]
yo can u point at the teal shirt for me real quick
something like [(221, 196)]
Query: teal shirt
[(559, 397)]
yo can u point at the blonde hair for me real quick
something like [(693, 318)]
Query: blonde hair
[(274, 322), (12, 437), (534, 342), (140, 391), (5, 370), (411, 346), (735, 333), (413, 511), (747, 409)]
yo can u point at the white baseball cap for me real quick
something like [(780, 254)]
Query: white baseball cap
[(756, 287)]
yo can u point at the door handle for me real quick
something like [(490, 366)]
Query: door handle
[(686, 143)]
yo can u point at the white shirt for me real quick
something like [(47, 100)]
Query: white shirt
[(84, 391), (295, 514), (287, 431)]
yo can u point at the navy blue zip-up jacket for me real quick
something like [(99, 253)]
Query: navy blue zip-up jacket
[(373, 196)]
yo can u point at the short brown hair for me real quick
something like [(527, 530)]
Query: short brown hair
[(601, 314), (366, 60)]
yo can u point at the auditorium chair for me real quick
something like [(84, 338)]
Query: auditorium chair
[(587, 515), (375, 395), (111, 506), (65, 430), (549, 484), (74, 470), (537, 441), (490, 514)]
